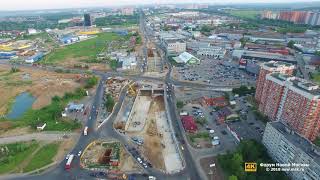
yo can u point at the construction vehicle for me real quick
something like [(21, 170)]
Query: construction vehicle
[(132, 89)]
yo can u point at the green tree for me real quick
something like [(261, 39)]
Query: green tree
[(205, 29), (237, 165), (243, 41), (232, 177), (90, 82), (291, 44), (179, 104), (317, 141), (109, 103)]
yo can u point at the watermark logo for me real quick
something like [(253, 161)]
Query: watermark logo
[(250, 167)]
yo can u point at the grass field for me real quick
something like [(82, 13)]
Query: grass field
[(85, 50), (245, 14), (16, 154), (43, 157), (316, 77)]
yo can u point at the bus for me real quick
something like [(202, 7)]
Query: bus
[(69, 161), (85, 131)]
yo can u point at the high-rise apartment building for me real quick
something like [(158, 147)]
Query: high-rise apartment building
[(270, 67), (297, 17), (294, 101), (285, 146), (87, 20)]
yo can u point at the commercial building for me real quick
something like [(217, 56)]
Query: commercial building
[(287, 147), (186, 58), (87, 20), (270, 67), (212, 51), (294, 101), (174, 47), (189, 124), (128, 62)]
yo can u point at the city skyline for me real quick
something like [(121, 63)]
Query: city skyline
[(61, 4)]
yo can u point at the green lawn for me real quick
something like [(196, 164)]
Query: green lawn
[(43, 157), (316, 77), (199, 135), (85, 50), (15, 155), (246, 14)]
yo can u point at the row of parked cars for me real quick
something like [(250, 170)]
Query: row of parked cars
[(136, 154), (138, 141), (197, 112)]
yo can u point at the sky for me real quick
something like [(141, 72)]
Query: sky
[(60, 4)]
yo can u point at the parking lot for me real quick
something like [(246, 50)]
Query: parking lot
[(249, 127), (220, 132), (212, 71)]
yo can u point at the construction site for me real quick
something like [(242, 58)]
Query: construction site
[(108, 156), (114, 86), (144, 120)]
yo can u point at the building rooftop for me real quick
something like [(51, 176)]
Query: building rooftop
[(275, 64), (299, 83), (268, 55), (298, 141), (186, 57)]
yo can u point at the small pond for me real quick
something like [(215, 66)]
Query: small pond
[(22, 103)]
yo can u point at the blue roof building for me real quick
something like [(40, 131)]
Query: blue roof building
[(35, 57), (7, 55)]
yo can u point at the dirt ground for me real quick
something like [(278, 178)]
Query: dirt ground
[(127, 163), (43, 85), (213, 173), (12, 132), (152, 140), (70, 62)]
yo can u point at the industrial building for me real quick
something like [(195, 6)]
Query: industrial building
[(287, 147), (294, 101), (262, 56), (270, 67)]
